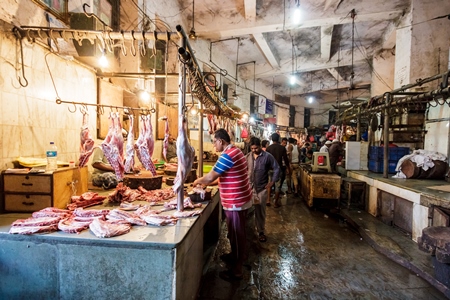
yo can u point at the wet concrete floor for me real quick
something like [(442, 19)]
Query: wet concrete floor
[(311, 254)]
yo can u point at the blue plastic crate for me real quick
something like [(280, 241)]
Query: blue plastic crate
[(395, 153), (377, 166)]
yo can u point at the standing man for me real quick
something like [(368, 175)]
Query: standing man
[(294, 159), (236, 197), (288, 144), (334, 152), (259, 164), (325, 147), (280, 154)]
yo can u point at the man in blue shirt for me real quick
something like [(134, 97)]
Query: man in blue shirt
[(259, 164)]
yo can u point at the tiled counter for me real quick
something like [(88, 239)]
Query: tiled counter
[(149, 262)]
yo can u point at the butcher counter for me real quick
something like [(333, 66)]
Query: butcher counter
[(149, 262)]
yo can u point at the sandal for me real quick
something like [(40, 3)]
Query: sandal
[(262, 237), (229, 276)]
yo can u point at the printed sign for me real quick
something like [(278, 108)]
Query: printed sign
[(262, 105)]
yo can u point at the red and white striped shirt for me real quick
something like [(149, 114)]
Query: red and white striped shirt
[(234, 187)]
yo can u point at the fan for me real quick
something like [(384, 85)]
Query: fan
[(192, 34)]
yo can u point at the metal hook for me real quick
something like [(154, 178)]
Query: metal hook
[(122, 45), (23, 67), (133, 48), (99, 110), (74, 108), (143, 48), (53, 39), (83, 108)]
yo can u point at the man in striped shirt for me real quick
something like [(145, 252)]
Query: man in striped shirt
[(236, 197)]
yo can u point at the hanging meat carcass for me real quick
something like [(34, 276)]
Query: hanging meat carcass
[(112, 146), (129, 154), (87, 142), (166, 138), (185, 154), (141, 147), (211, 123), (149, 136)]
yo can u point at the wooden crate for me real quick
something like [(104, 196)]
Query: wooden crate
[(323, 186)]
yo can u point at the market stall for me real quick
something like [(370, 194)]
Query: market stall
[(150, 261)]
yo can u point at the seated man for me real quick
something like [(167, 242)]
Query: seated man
[(103, 174), (171, 149)]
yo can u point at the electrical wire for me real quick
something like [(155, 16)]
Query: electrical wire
[(436, 18)]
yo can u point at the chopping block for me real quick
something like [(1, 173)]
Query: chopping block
[(144, 179)]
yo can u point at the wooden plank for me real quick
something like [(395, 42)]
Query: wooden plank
[(172, 113)]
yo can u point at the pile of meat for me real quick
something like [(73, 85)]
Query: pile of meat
[(85, 200), (101, 222), (123, 193)]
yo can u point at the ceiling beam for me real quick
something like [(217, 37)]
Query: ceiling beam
[(236, 28), (336, 75), (307, 65), (265, 49), (326, 33), (250, 10)]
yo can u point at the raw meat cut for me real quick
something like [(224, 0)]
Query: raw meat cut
[(42, 221), (185, 154), (166, 138), (80, 212), (104, 229), (158, 221), (129, 154), (127, 216), (112, 146), (186, 214), (87, 142), (69, 225), (143, 152), (33, 229)]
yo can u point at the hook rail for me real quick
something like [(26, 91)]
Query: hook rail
[(100, 108)]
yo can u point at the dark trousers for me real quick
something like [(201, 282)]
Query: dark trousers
[(237, 236)]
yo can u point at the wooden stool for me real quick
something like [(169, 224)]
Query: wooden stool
[(315, 165)]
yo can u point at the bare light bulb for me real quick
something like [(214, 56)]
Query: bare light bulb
[(292, 79), (103, 61), (297, 15), (311, 99), (194, 110), (144, 96)]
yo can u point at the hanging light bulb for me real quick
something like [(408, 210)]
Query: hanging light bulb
[(310, 99), (144, 96), (103, 61), (297, 14), (194, 110), (292, 79)]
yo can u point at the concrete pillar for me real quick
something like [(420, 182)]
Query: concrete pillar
[(422, 44), (383, 64)]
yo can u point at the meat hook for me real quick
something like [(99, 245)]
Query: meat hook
[(143, 50), (122, 45), (100, 110), (133, 48), (83, 108), (23, 67), (53, 39), (74, 108)]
